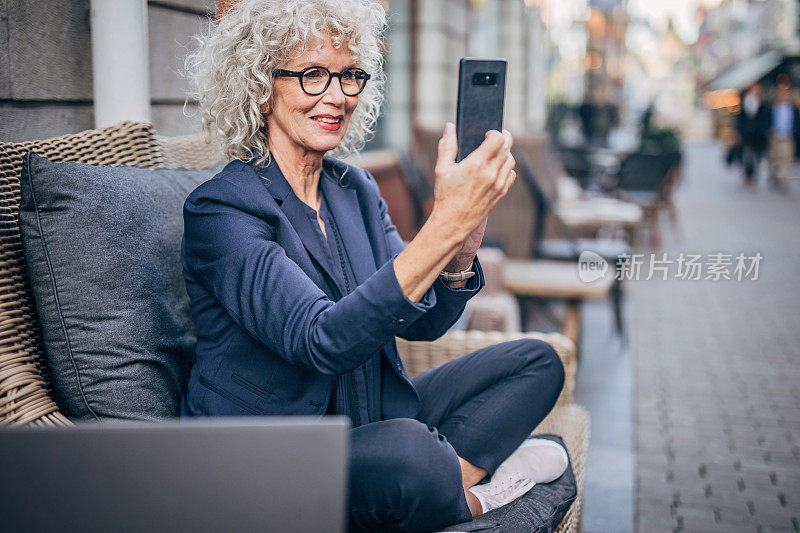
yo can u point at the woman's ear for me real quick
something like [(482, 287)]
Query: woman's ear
[(266, 108)]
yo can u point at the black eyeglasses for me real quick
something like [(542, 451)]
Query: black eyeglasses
[(315, 80)]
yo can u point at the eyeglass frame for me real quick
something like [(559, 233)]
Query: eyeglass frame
[(283, 73)]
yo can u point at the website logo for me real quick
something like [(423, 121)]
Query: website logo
[(591, 267)]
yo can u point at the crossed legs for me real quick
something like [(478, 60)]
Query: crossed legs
[(407, 476)]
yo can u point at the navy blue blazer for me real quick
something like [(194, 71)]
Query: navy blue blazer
[(270, 340)]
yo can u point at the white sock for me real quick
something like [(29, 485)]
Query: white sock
[(481, 500)]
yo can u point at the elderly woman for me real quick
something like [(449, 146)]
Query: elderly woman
[(299, 282)]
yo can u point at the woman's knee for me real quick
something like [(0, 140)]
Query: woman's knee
[(542, 355), (542, 358)]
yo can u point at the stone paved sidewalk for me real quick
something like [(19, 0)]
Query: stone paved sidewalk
[(717, 365), (605, 388)]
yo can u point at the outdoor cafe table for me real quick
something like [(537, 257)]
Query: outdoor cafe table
[(538, 278), (598, 211)]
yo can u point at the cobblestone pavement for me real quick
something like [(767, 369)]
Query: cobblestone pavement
[(716, 364)]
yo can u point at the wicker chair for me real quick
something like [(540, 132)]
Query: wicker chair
[(25, 390)]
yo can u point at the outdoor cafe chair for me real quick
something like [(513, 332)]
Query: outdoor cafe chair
[(577, 163), (649, 179)]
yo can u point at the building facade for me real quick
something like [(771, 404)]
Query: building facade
[(46, 71), (46, 75)]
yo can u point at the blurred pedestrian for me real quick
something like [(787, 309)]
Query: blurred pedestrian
[(647, 117), (752, 125), (784, 131)]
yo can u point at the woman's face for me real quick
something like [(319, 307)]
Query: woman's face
[(313, 123)]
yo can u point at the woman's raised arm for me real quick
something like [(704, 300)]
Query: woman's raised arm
[(464, 194)]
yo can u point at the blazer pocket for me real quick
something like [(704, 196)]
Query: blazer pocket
[(228, 396), (252, 387)]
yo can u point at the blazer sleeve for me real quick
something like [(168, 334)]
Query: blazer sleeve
[(233, 254), (449, 303)]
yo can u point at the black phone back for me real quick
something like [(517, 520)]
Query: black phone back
[(481, 92)]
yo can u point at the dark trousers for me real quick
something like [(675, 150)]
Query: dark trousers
[(405, 474), (751, 158)]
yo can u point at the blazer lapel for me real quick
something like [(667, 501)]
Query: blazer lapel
[(346, 211), (300, 215)]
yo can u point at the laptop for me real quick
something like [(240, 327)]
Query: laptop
[(283, 474)]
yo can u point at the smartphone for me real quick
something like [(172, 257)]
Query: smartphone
[(481, 93)]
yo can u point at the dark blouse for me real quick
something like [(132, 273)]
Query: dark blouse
[(355, 393)]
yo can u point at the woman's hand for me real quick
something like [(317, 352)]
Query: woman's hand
[(464, 194), (491, 167)]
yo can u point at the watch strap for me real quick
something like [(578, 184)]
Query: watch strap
[(457, 276)]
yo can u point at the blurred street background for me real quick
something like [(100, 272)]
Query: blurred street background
[(656, 139)]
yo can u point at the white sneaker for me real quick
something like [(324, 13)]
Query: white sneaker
[(541, 460), (501, 490)]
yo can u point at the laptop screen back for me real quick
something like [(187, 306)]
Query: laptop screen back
[(234, 474)]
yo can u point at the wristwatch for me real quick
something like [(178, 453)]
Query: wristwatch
[(457, 276)]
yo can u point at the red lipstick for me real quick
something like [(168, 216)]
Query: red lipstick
[(327, 124)]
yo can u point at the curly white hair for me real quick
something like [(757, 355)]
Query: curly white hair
[(230, 73)]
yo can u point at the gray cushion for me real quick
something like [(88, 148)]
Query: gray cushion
[(540, 510), (102, 246)]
